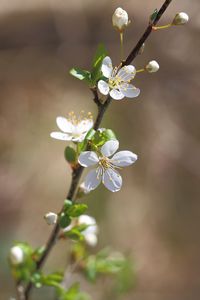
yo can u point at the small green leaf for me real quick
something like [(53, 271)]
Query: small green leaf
[(67, 204), (81, 74), (100, 54), (76, 210), (65, 220), (90, 134), (153, 16), (70, 154), (75, 235)]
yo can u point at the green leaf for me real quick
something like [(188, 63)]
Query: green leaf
[(81, 74), (100, 54), (90, 134), (153, 16), (75, 235), (77, 209), (70, 154), (64, 220), (102, 136), (67, 204)]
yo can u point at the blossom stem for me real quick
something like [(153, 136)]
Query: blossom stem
[(121, 45), (162, 27), (140, 70), (76, 174)]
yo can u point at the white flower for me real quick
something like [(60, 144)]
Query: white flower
[(120, 19), (90, 233), (51, 218), (73, 128), (16, 255), (180, 19), (118, 85), (152, 66), (106, 170)]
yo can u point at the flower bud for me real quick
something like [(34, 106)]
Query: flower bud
[(120, 19), (152, 66), (180, 19), (51, 218), (16, 255)]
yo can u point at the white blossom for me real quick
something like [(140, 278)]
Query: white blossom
[(107, 166), (90, 233), (72, 128), (16, 255), (152, 66), (180, 19), (51, 218), (118, 83), (120, 19)]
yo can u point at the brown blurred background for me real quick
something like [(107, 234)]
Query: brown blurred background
[(156, 216)]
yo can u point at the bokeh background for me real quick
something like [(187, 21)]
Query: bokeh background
[(155, 218)]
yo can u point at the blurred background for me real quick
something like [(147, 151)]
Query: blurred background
[(155, 218)]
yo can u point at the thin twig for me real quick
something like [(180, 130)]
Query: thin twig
[(76, 175)]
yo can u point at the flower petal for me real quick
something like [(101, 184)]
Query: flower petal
[(61, 136), (93, 179), (112, 180), (91, 239), (103, 87), (117, 95), (88, 158), (124, 158), (129, 90), (64, 125), (126, 73), (109, 148), (85, 125), (107, 67)]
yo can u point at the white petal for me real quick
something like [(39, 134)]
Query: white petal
[(85, 125), (109, 148), (117, 95), (107, 67), (124, 158), (64, 125), (93, 179), (129, 90), (61, 136), (88, 158), (91, 239), (103, 87), (127, 73), (79, 138), (112, 180)]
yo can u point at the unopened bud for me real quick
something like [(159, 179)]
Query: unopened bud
[(51, 218), (120, 19), (152, 66), (180, 19), (16, 255)]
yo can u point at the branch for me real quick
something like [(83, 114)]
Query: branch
[(146, 34), (102, 108)]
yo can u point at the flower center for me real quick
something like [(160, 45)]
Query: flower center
[(105, 162), (74, 120)]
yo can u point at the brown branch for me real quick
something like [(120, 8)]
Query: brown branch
[(146, 34), (102, 108)]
